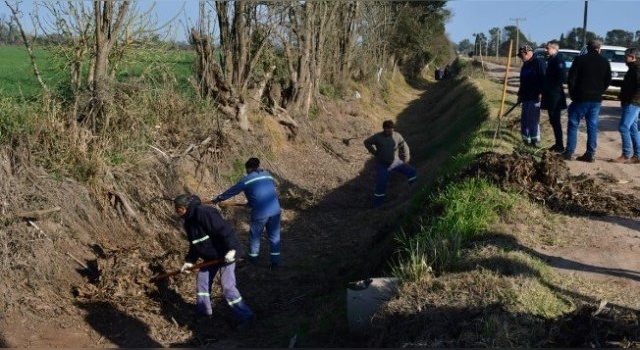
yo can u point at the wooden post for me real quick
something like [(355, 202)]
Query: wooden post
[(504, 92)]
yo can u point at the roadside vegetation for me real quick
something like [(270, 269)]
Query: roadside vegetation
[(99, 149)]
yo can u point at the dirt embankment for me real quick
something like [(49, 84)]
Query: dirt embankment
[(79, 275)]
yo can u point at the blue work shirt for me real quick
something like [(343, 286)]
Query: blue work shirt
[(260, 189)]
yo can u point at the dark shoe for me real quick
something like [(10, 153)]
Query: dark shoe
[(556, 149), (622, 160), (253, 260), (274, 267), (246, 323), (567, 156), (589, 158), (634, 160), (535, 144)]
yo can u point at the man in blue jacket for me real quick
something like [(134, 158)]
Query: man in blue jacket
[(260, 189), (532, 76), (211, 238)]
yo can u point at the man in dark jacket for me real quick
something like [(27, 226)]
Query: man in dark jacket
[(259, 188), (529, 94), (392, 154), (553, 97), (210, 238), (589, 78), (630, 102)]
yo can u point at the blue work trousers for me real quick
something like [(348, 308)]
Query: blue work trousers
[(530, 121), (382, 179), (272, 225), (204, 281)]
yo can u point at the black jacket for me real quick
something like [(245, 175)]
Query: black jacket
[(630, 89), (553, 96), (589, 77), (531, 79), (210, 236)]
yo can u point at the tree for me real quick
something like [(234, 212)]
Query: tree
[(465, 46), (619, 37), (89, 39)]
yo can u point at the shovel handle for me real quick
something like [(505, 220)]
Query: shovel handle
[(217, 262)]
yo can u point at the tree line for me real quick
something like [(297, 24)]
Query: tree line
[(278, 53), (496, 41)]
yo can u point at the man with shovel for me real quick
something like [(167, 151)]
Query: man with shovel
[(211, 237)]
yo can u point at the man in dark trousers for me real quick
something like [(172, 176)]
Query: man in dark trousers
[(391, 154), (211, 238), (589, 78), (553, 96), (260, 189), (530, 94)]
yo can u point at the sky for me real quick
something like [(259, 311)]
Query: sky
[(540, 21)]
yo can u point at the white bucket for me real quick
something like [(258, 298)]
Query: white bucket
[(365, 297)]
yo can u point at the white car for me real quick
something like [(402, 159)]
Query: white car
[(615, 56), (568, 56)]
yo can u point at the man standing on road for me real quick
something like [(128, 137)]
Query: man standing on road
[(630, 102), (589, 78), (529, 94), (553, 97), (260, 189), (210, 238), (391, 154)]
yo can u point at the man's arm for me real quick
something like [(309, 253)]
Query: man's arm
[(405, 148), (369, 144), (232, 191)]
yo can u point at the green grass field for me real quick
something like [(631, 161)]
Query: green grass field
[(17, 79)]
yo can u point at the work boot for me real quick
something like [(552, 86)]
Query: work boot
[(622, 159), (556, 149), (567, 156), (535, 144), (247, 323), (634, 160), (589, 158)]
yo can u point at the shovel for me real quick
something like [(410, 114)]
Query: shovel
[(218, 263)]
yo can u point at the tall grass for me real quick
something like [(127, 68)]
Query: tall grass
[(454, 216)]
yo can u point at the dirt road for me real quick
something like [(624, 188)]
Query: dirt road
[(603, 248)]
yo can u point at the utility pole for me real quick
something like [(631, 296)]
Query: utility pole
[(497, 42), (584, 24), (517, 30)]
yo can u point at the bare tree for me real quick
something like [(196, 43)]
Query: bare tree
[(27, 43), (225, 72)]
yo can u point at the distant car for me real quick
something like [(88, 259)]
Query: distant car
[(615, 56)]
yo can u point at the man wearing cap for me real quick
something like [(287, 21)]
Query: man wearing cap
[(211, 237), (589, 77), (532, 77)]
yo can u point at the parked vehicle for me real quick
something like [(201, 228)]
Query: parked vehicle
[(568, 56), (615, 55)]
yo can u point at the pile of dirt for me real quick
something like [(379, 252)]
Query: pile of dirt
[(549, 182)]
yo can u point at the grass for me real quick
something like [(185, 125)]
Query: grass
[(154, 65), (454, 257)]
